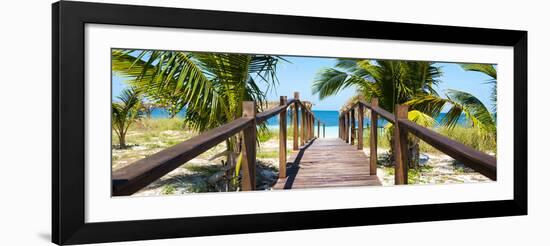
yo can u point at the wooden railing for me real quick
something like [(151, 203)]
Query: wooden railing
[(139, 174), (477, 160)]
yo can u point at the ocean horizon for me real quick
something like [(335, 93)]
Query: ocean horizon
[(328, 117)]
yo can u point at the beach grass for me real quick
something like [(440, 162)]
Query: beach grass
[(466, 135), (150, 135)]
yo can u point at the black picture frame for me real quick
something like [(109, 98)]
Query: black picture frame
[(69, 19)]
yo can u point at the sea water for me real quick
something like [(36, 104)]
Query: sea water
[(328, 117)]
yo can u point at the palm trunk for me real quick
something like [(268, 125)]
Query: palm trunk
[(122, 140), (233, 150), (414, 152), (121, 136)]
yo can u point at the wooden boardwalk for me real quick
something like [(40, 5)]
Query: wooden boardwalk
[(321, 162), (327, 162)]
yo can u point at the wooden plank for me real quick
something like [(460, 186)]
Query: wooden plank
[(400, 146), (139, 174), (282, 139), (248, 167), (315, 167)]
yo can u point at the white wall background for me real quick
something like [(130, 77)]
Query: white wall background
[(25, 121)]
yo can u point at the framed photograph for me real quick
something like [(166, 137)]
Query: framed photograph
[(175, 122)]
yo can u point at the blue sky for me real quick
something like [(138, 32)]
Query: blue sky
[(299, 73)]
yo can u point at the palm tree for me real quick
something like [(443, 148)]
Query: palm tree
[(393, 82), (210, 86), (463, 103), (124, 113)]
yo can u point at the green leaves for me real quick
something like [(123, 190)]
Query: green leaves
[(211, 86), (125, 112), (330, 81), (459, 103), (391, 81), (490, 71), (421, 118), (475, 110), (487, 69)]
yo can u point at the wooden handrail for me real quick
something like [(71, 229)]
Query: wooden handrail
[(477, 160), (139, 174), (380, 111), (265, 115), (306, 109)]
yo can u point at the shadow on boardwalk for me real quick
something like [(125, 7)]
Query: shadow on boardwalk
[(327, 162)]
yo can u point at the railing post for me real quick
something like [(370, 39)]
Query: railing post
[(352, 119), (360, 114), (308, 127), (282, 139), (373, 137), (343, 127), (346, 130), (248, 167), (295, 121), (312, 123), (318, 128), (312, 126), (303, 125), (343, 124), (323, 130), (349, 126), (400, 146), (339, 126)]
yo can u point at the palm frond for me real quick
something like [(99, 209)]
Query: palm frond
[(487, 69), (330, 81), (474, 110), (421, 118), (490, 71)]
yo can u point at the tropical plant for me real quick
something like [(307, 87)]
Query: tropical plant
[(210, 86), (490, 71), (393, 82), (463, 103), (124, 113)]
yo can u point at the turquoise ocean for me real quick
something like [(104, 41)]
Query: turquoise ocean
[(328, 117)]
